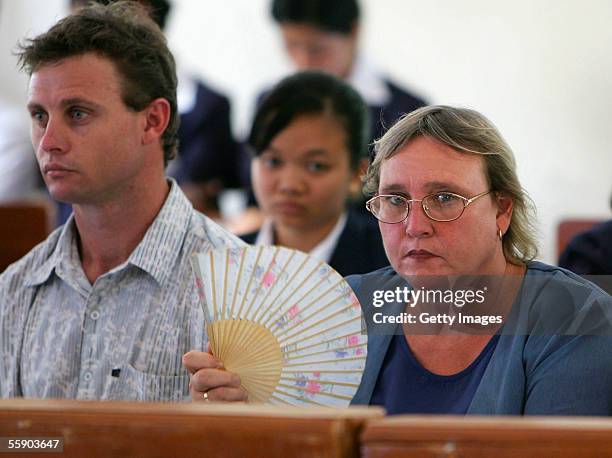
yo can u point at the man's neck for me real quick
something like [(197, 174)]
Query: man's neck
[(109, 232)]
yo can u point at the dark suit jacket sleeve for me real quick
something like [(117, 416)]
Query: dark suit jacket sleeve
[(590, 253), (207, 148), (359, 249), (400, 103)]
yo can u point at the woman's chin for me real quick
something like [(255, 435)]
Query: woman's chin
[(434, 266)]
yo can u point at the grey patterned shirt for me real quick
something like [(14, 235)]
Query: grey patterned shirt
[(122, 337)]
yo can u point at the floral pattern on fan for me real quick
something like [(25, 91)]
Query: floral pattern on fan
[(287, 323)]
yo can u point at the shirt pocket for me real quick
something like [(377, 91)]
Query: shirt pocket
[(134, 385)]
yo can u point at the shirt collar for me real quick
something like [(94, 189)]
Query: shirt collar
[(369, 82), (65, 236), (156, 253), (323, 251), (159, 249), (265, 236), (186, 93)]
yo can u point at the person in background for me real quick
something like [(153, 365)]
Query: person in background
[(107, 305), (324, 35), (590, 253), (451, 210), (308, 137), (19, 175), (208, 160)]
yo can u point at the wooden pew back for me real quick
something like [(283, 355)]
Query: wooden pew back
[(122, 429), (22, 226), (480, 437)]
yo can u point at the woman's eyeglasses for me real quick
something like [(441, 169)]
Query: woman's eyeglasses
[(440, 206)]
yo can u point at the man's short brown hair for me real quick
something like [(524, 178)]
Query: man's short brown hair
[(124, 33)]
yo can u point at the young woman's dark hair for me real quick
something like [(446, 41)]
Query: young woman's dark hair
[(308, 93), (339, 16)]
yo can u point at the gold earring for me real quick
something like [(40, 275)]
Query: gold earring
[(499, 233)]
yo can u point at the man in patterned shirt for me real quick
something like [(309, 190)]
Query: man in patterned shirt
[(106, 307)]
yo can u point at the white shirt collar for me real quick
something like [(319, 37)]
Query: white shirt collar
[(186, 92), (265, 236), (368, 81), (323, 251)]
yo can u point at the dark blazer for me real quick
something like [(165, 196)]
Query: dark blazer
[(207, 149), (359, 248), (590, 253), (401, 102)]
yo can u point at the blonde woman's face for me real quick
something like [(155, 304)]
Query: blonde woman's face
[(420, 246), (303, 178)]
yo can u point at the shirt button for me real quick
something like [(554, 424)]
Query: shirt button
[(94, 315), (87, 376)]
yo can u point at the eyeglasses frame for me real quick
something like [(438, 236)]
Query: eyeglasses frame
[(466, 202)]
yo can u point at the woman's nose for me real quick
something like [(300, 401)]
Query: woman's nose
[(417, 223), (291, 180)]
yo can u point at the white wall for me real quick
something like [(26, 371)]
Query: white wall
[(540, 69), (19, 19)]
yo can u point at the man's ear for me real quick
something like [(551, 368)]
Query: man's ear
[(156, 117), (505, 206)]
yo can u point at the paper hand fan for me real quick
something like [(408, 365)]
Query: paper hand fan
[(287, 323)]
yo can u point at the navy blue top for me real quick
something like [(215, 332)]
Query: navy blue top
[(590, 252), (557, 366), (405, 386)]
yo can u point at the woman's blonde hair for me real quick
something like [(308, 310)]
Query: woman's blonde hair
[(467, 131)]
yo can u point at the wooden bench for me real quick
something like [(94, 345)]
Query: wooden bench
[(480, 437), (22, 226), (121, 429)]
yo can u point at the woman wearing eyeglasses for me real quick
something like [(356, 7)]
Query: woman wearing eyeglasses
[(450, 208)]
